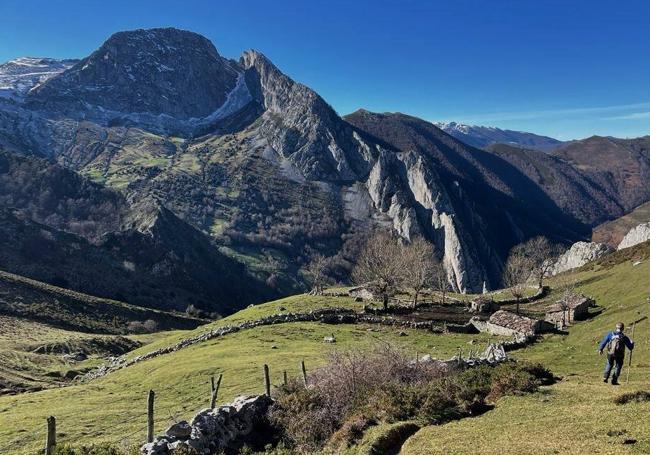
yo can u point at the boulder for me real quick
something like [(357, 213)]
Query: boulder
[(580, 254), (223, 429), (180, 430), (637, 235)]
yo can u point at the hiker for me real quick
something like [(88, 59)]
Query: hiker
[(615, 342)]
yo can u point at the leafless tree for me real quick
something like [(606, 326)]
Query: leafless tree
[(317, 272), (380, 266), (517, 273), (568, 294), (440, 280), (542, 255), (420, 266)]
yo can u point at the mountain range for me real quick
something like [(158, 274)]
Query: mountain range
[(484, 136), (187, 178)]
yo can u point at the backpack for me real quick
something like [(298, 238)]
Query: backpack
[(617, 345)]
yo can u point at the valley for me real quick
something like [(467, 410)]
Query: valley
[(170, 215)]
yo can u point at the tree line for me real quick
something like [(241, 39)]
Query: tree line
[(387, 265)]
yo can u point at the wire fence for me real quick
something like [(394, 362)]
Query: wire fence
[(127, 431)]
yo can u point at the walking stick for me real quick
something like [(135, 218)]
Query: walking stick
[(629, 362)]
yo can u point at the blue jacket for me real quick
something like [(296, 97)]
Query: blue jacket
[(608, 338)]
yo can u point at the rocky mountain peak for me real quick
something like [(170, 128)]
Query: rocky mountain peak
[(157, 71)]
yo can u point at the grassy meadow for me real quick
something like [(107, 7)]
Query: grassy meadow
[(575, 415)]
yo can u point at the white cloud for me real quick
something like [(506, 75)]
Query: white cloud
[(632, 116), (568, 112)]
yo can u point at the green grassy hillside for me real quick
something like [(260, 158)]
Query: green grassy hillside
[(577, 415), (113, 408), (39, 323)]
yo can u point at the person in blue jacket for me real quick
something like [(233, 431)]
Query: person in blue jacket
[(616, 342)]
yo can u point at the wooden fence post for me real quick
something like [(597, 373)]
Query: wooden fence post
[(284, 374), (214, 390), (267, 380), (150, 401), (50, 441), (304, 372)]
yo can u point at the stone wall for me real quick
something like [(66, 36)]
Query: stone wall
[(225, 429), (326, 316)]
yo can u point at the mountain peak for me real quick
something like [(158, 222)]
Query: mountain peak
[(156, 71), (484, 136)]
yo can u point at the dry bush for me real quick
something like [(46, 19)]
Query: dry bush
[(358, 389)]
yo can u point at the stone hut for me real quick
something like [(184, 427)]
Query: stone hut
[(506, 323), (573, 308), (484, 305), (361, 292)]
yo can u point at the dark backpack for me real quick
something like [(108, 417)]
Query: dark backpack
[(617, 345)]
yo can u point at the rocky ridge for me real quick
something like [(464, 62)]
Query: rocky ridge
[(264, 167)]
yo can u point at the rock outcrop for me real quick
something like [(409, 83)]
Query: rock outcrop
[(261, 165), (221, 430), (580, 254), (637, 235)]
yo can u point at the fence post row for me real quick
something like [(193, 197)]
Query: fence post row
[(50, 441), (150, 400)]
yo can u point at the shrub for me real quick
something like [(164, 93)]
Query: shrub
[(95, 449), (511, 381), (358, 389), (631, 397)]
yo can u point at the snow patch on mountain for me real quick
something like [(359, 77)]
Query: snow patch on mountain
[(484, 136), (19, 76)]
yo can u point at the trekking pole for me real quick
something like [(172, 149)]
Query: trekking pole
[(629, 362)]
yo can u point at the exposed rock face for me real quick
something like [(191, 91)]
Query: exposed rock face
[(302, 127), (237, 154), (637, 235), (580, 254), (224, 429), (158, 71)]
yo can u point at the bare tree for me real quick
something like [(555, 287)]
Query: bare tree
[(542, 255), (568, 294), (440, 280), (317, 272), (420, 266), (380, 266), (517, 273)]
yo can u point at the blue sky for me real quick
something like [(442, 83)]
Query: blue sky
[(568, 69)]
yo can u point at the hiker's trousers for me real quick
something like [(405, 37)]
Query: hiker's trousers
[(615, 362)]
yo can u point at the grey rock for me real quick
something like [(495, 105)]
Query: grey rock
[(179, 430), (638, 234), (580, 254)]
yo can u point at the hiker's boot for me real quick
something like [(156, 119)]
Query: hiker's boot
[(614, 381), (605, 380)]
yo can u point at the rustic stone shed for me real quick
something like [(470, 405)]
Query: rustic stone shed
[(484, 305), (361, 292), (506, 323), (573, 308)]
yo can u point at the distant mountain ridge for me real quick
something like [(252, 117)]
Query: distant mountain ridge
[(261, 173), (484, 136), (19, 76)]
